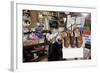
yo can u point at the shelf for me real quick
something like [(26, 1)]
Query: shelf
[(36, 59), (34, 45), (44, 31), (39, 58)]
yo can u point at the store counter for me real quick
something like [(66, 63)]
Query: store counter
[(72, 53)]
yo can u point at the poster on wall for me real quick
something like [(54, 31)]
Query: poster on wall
[(46, 35)]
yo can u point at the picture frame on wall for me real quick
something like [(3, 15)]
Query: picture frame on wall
[(52, 36)]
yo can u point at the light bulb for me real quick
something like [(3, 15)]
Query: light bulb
[(85, 14)]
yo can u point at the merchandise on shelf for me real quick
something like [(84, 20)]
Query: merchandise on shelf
[(67, 40)]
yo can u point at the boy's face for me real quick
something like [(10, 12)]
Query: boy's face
[(77, 30), (40, 20)]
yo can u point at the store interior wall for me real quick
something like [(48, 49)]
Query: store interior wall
[(34, 18)]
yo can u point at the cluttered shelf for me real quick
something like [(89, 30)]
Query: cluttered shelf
[(33, 50), (28, 43), (37, 59), (29, 32)]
